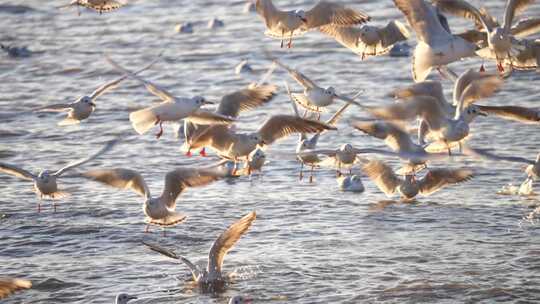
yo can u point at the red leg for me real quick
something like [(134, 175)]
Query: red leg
[(147, 229), (282, 34), (289, 45), (301, 176), (500, 67), (311, 175), (202, 152), (482, 68), (188, 153)]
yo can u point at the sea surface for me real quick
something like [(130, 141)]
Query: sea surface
[(311, 243)]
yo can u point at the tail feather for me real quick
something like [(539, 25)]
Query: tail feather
[(69, 121), (172, 219)]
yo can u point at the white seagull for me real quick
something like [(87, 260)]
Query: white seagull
[(45, 181), (283, 24), (159, 210), (85, 105), (212, 277), (171, 109), (124, 298), (352, 183), (99, 6)]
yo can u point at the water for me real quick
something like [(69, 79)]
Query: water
[(310, 243)]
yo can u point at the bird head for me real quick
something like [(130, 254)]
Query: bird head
[(346, 148), (471, 112), (330, 91), (87, 101), (301, 15), (124, 298), (200, 101), (239, 300)]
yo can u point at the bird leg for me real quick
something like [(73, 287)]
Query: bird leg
[(305, 113), (158, 121), (482, 68), (164, 231), (449, 149), (311, 175), (235, 168), (338, 171), (301, 176), (318, 113), (248, 165), (39, 207), (282, 34), (147, 229), (54, 207), (188, 153), (202, 152), (289, 45)]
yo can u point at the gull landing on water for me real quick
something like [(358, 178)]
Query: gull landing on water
[(171, 109), (45, 181), (159, 210), (99, 6), (289, 24), (85, 105), (212, 278), (389, 183), (351, 183)]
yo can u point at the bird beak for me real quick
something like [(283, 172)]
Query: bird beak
[(93, 104), (303, 20), (132, 298), (208, 102), (481, 113)]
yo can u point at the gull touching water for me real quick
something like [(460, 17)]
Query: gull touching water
[(435, 179), (500, 38), (368, 40), (9, 285), (212, 278), (85, 105), (282, 24), (352, 183), (124, 298), (314, 97), (99, 6), (171, 109), (232, 145), (436, 47), (45, 181), (159, 210)]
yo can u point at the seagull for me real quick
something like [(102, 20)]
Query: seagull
[(436, 47), (232, 145), (519, 114), (243, 67), (368, 40), (305, 143), (99, 6), (212, 278), (11, 285), (14, 51), (435, 179), (469, 87), (215, 23), (231, 105), (282, 24), (351, 183), (45, 181), (501, 43), (124, 298), (256, 160), (159, 210), (85, 105), (314, 96), (400, 142), (170, 109), (186, 28), (239, 300)]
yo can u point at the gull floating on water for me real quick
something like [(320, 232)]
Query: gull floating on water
[(171, 109), (352, 183), (239, 300), (283, 24), (314, 97), (45, 181), (435, 179), (9, 285), (368, 40), (186, 28), (124, 298), (436, 47), (85, 105), (501, 43), (215, 23), (14, 51), (212, 277), (159, 210), (99, 6)]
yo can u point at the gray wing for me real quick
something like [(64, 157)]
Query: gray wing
[(16, 171), (302, 79), (472, 86), (279, 126), (383, 176), (423, 19), (325, 13), (513, 8), (178, 180), (112, 84), (120, 178), (152, 88), (521, 114), (462, 8), (269, 13), (244, 100), (226, 241), (195, 272), (436, 179), (108, 146), (526, 27)]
